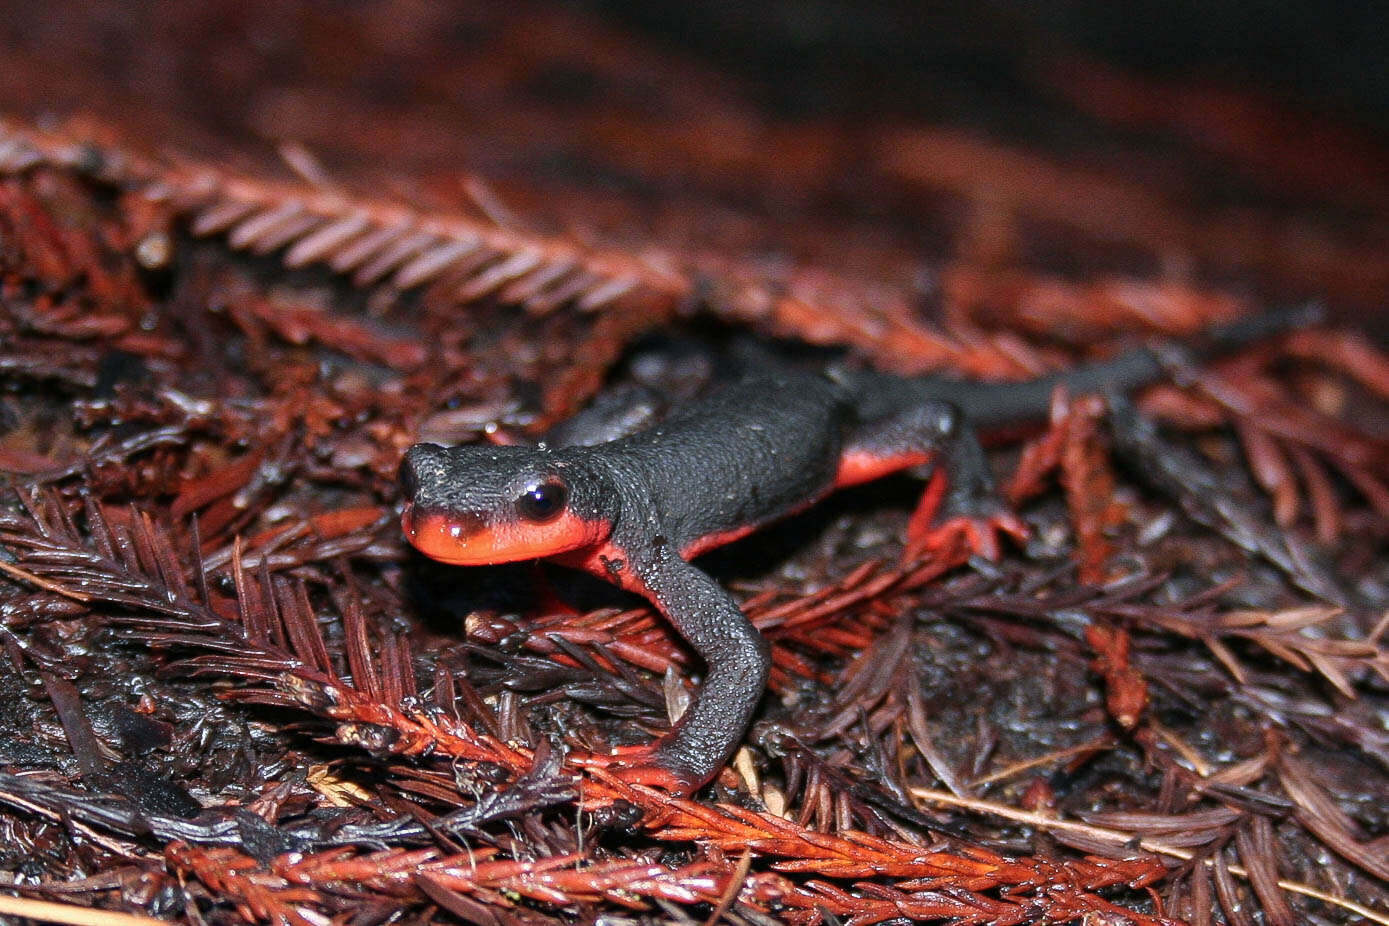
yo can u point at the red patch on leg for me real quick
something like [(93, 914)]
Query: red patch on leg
[(924, 517), (860, 466)]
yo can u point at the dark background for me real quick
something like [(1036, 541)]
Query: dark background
[(1242, 143), (1329, 55)]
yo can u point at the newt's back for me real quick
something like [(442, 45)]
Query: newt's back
[(749, 453)]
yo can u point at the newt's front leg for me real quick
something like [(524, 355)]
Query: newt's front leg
[(738, 661)]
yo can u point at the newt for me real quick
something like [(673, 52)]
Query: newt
[(635, 508)]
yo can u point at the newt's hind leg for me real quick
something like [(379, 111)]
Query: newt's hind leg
[(960, 502), (615, 414)]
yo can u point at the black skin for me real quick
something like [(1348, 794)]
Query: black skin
[(634, 508)]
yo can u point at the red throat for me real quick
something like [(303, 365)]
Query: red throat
[(461, 542)]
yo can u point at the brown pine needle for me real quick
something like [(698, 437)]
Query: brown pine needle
[(1182, 747), (1059, 755), (1044, 822), (730, 893), (49, 912), (47, 585)]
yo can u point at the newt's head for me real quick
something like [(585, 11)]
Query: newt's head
[(476, 506)]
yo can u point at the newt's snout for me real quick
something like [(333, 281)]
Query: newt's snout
[(442, 535), (422, 464)]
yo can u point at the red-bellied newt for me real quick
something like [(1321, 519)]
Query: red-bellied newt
[(635, 508)]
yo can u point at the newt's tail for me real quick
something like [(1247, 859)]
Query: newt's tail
[(991, 404)]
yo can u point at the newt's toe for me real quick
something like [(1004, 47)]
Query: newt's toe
[(657, 776), (977, 518), (646, 765), (981, 534)]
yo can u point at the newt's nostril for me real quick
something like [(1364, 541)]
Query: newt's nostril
[(409, 482)]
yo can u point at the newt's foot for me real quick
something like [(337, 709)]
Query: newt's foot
[(979, 521), (980, 533), (644, 765)]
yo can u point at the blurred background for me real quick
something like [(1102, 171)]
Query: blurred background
[(1231, 145)]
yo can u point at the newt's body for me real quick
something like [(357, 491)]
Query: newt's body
[(632, 502), (634, 510)]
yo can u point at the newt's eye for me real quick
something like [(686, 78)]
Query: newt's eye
[(543, 501)]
